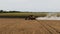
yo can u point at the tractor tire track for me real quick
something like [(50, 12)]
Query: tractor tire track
[(49, 28), (45, 28), (41, 30)]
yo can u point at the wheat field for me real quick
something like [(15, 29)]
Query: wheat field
[(21, 26)]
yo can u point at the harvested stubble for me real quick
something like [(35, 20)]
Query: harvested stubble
[(21, 26)]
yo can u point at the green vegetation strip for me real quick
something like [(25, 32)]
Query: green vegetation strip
[(21, 14)]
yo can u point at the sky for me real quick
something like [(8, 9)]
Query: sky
[(31, 5)]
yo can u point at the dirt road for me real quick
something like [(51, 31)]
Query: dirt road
[(21, 26)]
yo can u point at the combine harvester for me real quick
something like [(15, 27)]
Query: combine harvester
[(50, 16), (30, 17)]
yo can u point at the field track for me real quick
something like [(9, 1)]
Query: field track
[(21, 26)]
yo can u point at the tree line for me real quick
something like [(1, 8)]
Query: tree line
[(2, 11)]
